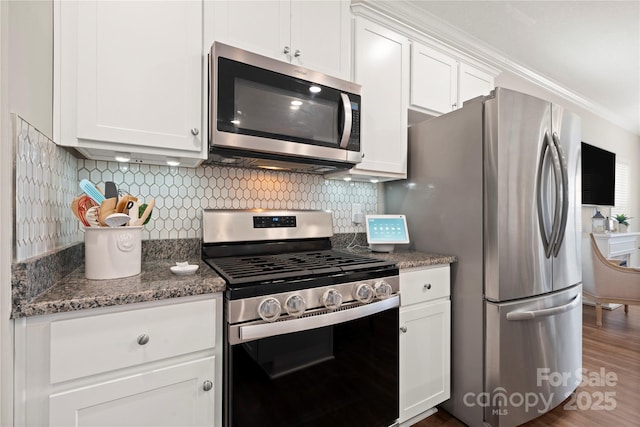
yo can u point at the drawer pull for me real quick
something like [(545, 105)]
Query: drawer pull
[(207, 385), (143, 339), (426, 287), (403, 329)]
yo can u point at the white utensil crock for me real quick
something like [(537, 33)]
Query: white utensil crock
[(112, 253)]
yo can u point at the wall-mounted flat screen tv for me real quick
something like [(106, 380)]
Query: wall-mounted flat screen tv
[(598, 176)]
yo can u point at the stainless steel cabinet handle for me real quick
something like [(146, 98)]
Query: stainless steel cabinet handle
[(207, 385), (454, 105), (286, 50), (426, 287), (564, 169), (403, 329), (143, 339), (195, 131), (297, 53)]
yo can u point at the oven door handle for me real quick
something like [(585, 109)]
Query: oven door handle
[(240, 334)]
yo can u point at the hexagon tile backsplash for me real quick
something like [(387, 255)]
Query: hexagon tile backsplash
[(180, 193)]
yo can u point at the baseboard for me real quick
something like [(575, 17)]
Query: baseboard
[(419, 417)]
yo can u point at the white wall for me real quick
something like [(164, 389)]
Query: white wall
[(30, 57), (6, 335), (26, 86)]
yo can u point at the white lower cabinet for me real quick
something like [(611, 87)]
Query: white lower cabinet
[(425, 341), (178, 395), (149, 364)]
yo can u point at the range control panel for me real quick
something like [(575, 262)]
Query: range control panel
[(274, 221)]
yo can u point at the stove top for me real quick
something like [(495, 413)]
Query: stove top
[(261, 252), (269, 268)]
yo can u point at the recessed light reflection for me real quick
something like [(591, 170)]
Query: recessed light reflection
[(296, 103), (122, 157), (235, 122), (314, 89), (294, 107)]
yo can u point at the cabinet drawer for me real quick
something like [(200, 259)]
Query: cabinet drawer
[(95, 344), (626, 246), (419, 285)]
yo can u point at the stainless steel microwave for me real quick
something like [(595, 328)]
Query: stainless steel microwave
[(272, 114)]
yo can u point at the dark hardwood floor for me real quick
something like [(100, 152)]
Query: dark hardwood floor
[(614, 347)]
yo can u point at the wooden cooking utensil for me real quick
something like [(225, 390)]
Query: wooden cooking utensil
[(121, 207), (107, 207)]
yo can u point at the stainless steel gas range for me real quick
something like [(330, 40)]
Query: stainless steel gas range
[(311, 333)]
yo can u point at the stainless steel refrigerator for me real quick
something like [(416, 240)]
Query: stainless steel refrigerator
[(497, 183)]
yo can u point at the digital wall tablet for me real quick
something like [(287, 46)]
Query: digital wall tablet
[(385, 231)]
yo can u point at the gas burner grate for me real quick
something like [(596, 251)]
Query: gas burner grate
[(257, 268)]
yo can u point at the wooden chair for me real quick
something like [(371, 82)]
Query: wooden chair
[(612, 283)]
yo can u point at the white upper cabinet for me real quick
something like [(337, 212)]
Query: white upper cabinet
[(434, 79), (312, 34), (129, 78), (472, 82), (440, 82), (381, 66)]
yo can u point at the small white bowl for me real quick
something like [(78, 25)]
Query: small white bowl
[(183, 270)]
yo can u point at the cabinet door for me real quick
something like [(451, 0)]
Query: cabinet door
[(434, 79), (472, 82), (139, 72), (173, 396), (321, 36), (425, 350), (262, 27), (382, 68)]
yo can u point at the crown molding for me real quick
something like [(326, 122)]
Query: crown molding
[(427, 24)]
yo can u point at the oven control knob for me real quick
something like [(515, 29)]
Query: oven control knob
[(364, 293), (332, 299), (269, 309), (383, 289), (295, 305)]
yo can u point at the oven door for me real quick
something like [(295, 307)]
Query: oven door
[(342, 374)]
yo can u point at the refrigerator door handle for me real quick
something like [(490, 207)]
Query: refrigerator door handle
[(565, 194), (546, 312), (548, 244)]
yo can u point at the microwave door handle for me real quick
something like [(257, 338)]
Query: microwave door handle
[(348, 118)]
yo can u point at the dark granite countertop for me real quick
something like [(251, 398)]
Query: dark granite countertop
[(155, 282), (55, 283), (406, 258)]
